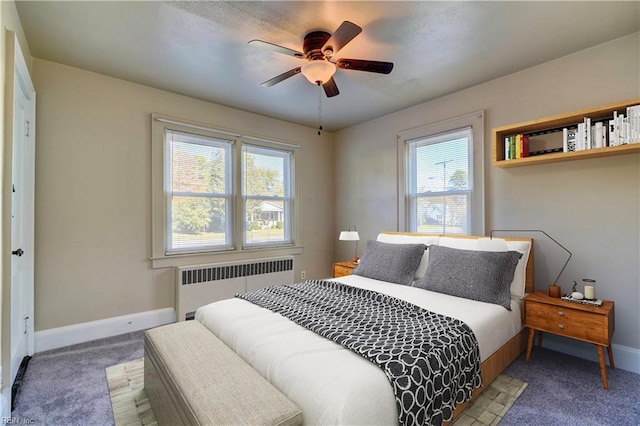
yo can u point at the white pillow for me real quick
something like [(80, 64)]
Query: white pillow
[(412, 239), (520, 276), (497, 244)]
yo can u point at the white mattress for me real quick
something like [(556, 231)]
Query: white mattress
[(330, 384)]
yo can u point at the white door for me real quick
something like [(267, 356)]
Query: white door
[(22, 214)]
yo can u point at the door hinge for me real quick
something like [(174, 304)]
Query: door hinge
[(28, 128), (26, 324)]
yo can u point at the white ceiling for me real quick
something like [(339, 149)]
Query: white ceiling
[(200, 49)]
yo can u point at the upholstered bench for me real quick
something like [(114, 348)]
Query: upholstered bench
[(192, 378)]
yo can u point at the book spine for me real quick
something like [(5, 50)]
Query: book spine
[(633, 112), (525, 146), (512, 147), (625, 126), (597, 133), (571, 140), (580, 137), (613, 141), (618, 128), (507, 144)]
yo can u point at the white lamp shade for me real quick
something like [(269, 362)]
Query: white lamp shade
[(318, 70), (349, 236)]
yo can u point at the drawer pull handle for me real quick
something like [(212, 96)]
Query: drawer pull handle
[(561, 313), (561, 326)]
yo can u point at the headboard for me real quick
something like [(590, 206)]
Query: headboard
[(529, 267)]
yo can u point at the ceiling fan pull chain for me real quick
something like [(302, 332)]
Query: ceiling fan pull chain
[(319, 107)]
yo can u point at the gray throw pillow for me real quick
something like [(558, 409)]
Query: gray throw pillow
[(484, 276), (396, 263)]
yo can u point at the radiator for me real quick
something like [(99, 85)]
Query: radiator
[(203, 284)]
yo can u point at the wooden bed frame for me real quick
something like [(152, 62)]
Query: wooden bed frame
[(493, 366)]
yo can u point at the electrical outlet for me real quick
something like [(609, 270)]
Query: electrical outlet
[(303, 275)]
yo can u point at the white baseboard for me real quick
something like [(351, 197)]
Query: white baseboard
[(79, 333), (624, 357)]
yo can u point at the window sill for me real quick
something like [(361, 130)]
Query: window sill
[(222, 257)]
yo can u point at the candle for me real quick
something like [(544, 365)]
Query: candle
[(589, 292)]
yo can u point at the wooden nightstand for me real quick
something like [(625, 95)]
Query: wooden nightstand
[(592, 324), (341, 269)]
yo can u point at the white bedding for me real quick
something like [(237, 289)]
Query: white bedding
[(330, 384)]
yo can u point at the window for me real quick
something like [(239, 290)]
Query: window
[(199, 192), (216, 192), (443, 177), (266, 191)]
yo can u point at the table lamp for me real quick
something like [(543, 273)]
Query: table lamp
[(351, 235)]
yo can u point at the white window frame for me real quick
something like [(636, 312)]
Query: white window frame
[(236, 250), (287, 198), (475, 121), (206, 140)]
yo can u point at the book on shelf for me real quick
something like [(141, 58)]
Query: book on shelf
[(597, 135), (587, 133), (581, 139), (633, 114), (516, 146), (569, 139)]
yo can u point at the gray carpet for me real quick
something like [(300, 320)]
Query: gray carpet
[(68, 387), (564, 390)]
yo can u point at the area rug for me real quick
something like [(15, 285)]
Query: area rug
[(128, 398), (131, 406)]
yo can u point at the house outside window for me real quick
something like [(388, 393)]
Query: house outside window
[(442, 177), (220, 193)]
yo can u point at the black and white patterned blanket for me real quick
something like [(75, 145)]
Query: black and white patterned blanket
[(431, 360)]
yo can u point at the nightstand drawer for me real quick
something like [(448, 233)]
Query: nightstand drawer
[(341, 270), (567, 322)]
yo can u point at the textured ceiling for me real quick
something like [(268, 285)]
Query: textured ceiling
[(200, 49)]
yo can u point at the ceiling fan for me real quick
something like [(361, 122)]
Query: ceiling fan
[(319, 47)]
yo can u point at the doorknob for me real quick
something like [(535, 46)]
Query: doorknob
[(18, 252)]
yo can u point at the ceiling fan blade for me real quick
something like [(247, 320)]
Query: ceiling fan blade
[(276, 48), (343, 35), (330, 88), (364, 65), (281, 77)]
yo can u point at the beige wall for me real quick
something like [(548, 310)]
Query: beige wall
[(93, 193), (591, 206)]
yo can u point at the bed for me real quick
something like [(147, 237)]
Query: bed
[(334, 385)]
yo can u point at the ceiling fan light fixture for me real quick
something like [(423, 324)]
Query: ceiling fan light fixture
[(318, 71)]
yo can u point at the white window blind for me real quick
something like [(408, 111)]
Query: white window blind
[(440, 182), (198, 188)]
